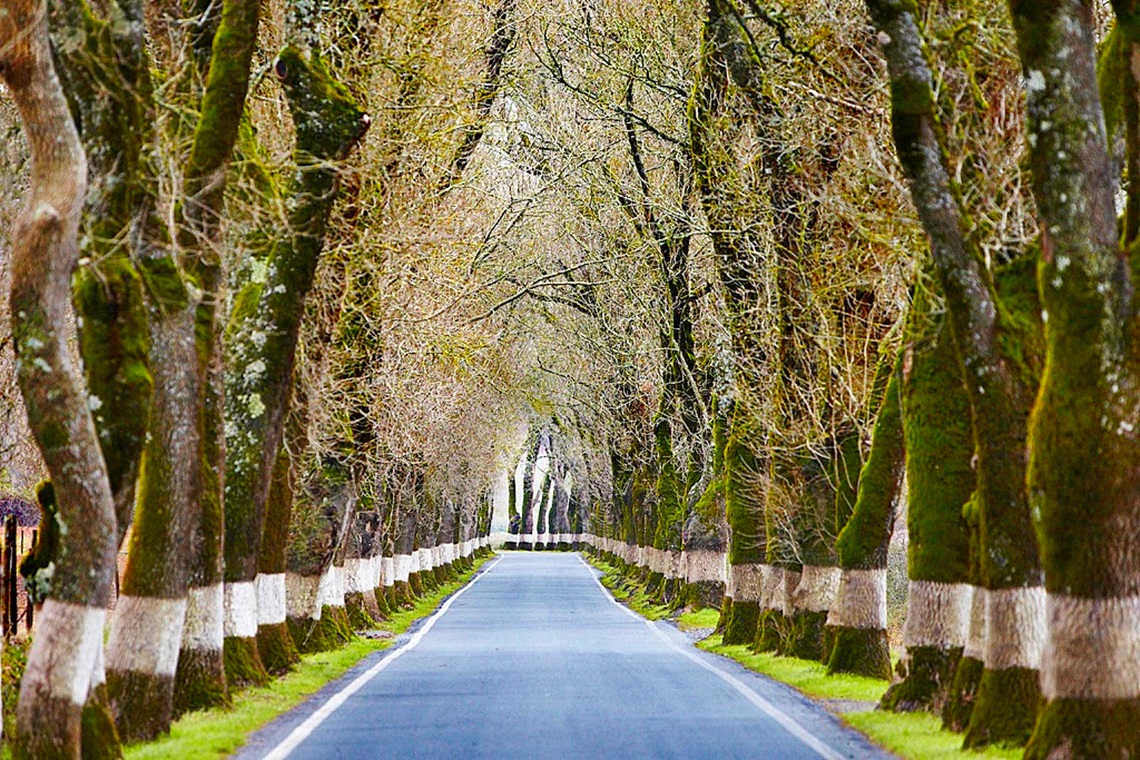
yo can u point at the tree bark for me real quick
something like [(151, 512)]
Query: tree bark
[(1084, 473), (858, 619), (939, 447), (67, 647), (265, 326), (999, 396)]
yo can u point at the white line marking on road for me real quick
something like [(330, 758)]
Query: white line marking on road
[(303, 731), (787, 722)]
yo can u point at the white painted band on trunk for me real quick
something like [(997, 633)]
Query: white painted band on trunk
[(746, 582), (402, 567), (302, 595), (658, 560), (1015, 628), (1093, 650), (425, 559), (65, 650), (976, 640), (358, 578), (436, 554), (674, 571), (330, 590), (937, 614), (771, 588), (241, 610), (205, 628), (98, 673), (271, 608), (861, 601), (388, 571), (703, 565), (792, 580), (146, 634), (817, 588)]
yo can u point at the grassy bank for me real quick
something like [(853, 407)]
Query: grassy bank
[(916, 736), (216, 733)]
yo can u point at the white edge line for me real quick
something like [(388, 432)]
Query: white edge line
[(303, 731), (787, 722)]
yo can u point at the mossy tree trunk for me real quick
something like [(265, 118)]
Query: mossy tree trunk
[(44, 254), (265, 325), (939, 447), (731, 210), (105, 70), (858, 618), (1084, 472), (998, 388), (274, 644), (706, 530)]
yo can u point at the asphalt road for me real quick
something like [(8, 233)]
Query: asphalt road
[(535, 659)]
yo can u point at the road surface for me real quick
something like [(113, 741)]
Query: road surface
[(535, 659)]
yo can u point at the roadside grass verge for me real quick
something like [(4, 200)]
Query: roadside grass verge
[(706, 617), (216, 733), (915, 736)]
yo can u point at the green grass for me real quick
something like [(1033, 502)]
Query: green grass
[(703, 618), (916, 736), (629, 592), (216, 733), (919, 735), (808, 676)]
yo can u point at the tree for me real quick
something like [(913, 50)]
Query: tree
[(44, 255)]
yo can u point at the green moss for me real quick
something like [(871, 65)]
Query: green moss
[(1006, 708), (863, 541), (1110, 76), (860, 652), (962, 695), (276, 648), (926, 677), (743, 497), (740, 627), (772, 630), (243, 663), (359, 617), (200, 681), (332, 630), (415, 585), (383, 602), (1078, 728), (114, 342), (142, 704), (805, 639), (939, 450), (99, 735), (703, 594)]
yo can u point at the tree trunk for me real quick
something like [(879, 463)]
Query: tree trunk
[(999, 390), (858, 618), (265, 327), (747, 543), (274, 644), (939, 447), (65, 653), (1084, 475)]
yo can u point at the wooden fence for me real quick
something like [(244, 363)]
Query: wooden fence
[(15, 612)]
